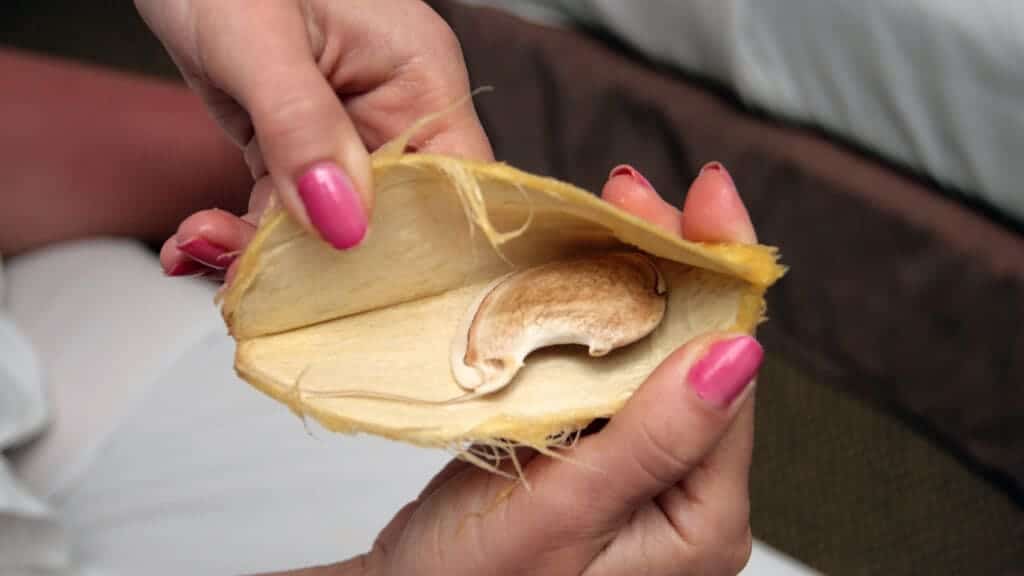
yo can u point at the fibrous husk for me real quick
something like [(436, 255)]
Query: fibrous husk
[(360, 339)]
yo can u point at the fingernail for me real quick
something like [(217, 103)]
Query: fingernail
[(726, 369), (333, 205), (717, 168), (186, 268), (206, 252), (625, 169)]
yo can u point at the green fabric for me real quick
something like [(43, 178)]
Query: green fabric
[(850, 490)]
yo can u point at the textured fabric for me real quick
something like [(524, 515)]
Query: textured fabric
[(851, 490), (86, 336), (32, 539)]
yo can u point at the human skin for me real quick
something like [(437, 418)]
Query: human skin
[(91, 151)]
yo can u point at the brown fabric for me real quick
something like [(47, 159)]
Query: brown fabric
[(914, 299), (848, 489)]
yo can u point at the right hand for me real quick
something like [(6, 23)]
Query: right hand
[(308, 88), (676, 500)]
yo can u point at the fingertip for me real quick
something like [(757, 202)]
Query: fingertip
[(218, 228), (725, 369), (634, 175), (176, 263), (333, 205), (714, 366), (628, 189), (206, 243), (713, 210)]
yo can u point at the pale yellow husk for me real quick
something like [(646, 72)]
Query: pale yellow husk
[(311, 321)]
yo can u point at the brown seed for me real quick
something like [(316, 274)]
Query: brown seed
[(602, 302)]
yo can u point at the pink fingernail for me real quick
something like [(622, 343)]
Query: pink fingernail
[(717, 167), (186, 268), (626, 169), (202, 250), (726, 370), (333, 205)]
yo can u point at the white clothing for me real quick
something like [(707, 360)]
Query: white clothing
[(157, 459)]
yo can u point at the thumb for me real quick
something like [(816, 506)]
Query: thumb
[(669, 425), (262, 54)]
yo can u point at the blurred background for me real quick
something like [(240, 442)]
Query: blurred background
[(877, 145)]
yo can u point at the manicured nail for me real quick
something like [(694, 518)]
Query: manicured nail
[(333, 205), (186, 268), (726, 369), (717, 167), (202, 250), (625, 169)]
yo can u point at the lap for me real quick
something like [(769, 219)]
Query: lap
[(159, 459)]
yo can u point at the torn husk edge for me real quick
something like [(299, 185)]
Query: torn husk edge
[(755, 264)]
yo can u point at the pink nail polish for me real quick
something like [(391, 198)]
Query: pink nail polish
[(186, 268), (626, 169), (718, 168), (726, 369), (333, 205), (206, 252), (227, 258)]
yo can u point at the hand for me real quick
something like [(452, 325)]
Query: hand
[(308, 88), (674, 499)]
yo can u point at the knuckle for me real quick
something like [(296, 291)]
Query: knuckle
[(726, 557), (660, 460), (568, 513), (575, 512), (282, 115), (737, 555), (442, 37), (447, 40), (434, 36), (291, 127), (725, 544), (735, 526)]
